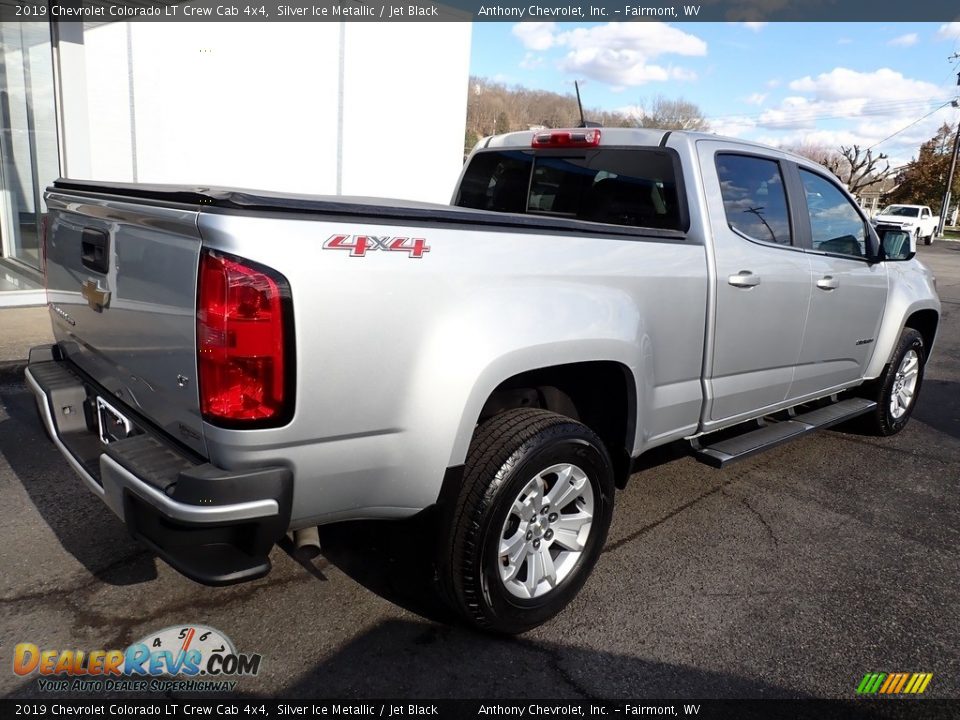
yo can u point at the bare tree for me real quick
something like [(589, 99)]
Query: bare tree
[(494, 108), (822, 154), (672, 114), (858, 169)]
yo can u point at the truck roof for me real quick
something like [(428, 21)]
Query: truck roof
[(641, 137)]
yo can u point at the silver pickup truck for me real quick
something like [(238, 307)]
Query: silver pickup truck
[(231, 366)]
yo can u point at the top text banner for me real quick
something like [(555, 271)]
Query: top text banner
[(479, 11)]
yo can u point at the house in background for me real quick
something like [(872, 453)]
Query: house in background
[(871, 198), (316, 107)]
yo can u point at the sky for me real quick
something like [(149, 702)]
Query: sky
[(828, 84)]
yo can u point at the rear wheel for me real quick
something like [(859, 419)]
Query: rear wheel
[(530, 521), (897, 390)]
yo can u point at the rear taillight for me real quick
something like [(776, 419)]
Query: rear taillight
[(243, 331)]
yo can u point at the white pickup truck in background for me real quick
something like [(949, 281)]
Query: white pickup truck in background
[(918, 220)]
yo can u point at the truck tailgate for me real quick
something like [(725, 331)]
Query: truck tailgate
[(122, 281)]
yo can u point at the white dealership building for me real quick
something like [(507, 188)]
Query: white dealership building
[(352, 108)]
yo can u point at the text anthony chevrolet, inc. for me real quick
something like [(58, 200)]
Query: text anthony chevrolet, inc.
[(577, 11)]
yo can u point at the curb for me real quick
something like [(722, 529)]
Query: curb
[(12, 371)]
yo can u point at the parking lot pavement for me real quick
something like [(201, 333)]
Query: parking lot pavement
[(791, 574), (20, 329)]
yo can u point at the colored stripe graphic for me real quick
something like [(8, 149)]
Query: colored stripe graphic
[(871, 683), (894, 683)]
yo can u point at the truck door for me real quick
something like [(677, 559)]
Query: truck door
[(762, 282), (849, 292)]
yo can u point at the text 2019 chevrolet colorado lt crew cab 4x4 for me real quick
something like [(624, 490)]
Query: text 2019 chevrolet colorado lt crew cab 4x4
[(234, 365)]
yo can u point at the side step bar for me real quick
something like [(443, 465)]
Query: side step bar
[(720, 453)]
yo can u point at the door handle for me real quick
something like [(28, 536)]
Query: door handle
[(744, 279), (94, 250), (828, 282)]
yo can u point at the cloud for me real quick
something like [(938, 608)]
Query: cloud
[(849, 94), (904, 40), (535, 35), (899, 150), (949, 31), (755, 26), (531, 61), (736, 126), (632, 111), (620, 54), (886, 85), (755, 98), (798, 121)]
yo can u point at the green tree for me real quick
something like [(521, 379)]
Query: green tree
[(922, 180), (503, 123)]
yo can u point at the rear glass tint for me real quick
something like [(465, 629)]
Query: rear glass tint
[(754, 197), (630, 187)]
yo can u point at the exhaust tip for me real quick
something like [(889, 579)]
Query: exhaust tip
[(306, 543)]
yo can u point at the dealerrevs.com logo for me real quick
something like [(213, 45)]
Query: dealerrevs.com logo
[(180, 657)]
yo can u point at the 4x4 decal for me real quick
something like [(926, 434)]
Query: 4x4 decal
[(360, 245)]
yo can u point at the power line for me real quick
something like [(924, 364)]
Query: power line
[(871, 110), (907, 127)]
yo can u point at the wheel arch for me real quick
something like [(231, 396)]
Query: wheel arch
[(926, 323), (601, 394), (912, 302)]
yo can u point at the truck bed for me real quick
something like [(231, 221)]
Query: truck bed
[(351, 207)]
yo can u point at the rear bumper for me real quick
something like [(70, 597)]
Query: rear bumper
[(215, 526)]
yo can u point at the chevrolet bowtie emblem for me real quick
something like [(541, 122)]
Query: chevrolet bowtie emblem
[(96, 298)]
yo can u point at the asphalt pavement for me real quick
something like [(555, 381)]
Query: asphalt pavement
[(791, 574)]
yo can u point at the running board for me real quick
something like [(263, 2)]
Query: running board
[(772, 433)]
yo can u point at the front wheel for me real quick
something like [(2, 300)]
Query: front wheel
[(897, 390), (530, 521), (928, 240)]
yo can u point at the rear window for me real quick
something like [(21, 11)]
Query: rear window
[(633, 187), (901, 211)]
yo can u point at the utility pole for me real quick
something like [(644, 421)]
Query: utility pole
[(953, 163)]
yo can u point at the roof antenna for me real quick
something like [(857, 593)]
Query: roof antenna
[(583, 122)]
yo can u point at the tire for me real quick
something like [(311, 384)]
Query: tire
[(928, 240), (516, 461), (887, 419)]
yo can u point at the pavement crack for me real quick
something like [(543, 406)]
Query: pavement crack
[(57, 593), (756, 513), (738, 476), (899, 451), (75, 599), (617, 544), (554, 664)]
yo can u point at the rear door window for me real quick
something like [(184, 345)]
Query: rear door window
[(632, 187), (754, 198)]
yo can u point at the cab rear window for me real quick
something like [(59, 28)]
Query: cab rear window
[(632, 187)]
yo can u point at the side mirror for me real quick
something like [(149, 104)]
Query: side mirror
[(895, 243)]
